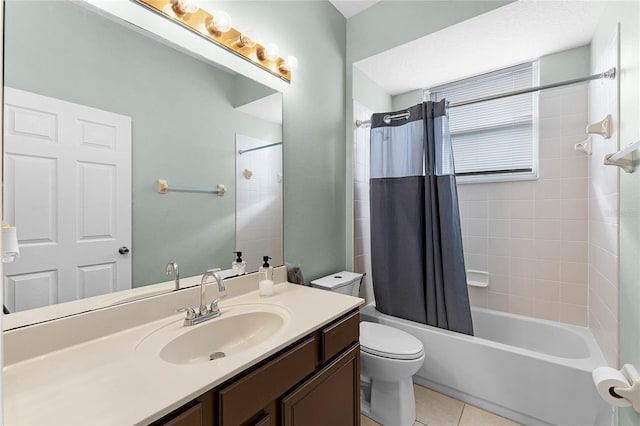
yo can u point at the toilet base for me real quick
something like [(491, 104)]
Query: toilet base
[(391, 403)]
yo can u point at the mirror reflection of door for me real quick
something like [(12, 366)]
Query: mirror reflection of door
[(67, 188)]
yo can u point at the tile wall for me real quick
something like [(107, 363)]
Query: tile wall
[(603, 214), (532, 236), (259, 203)]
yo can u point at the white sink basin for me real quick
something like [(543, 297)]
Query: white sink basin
[(238, 329)]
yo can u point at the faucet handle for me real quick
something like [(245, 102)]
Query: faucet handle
[(191, 313), (214, 303)]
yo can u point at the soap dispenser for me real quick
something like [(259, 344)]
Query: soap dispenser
[(266, 268), (239, 266)]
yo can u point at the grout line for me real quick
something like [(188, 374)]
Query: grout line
[(461, 413)]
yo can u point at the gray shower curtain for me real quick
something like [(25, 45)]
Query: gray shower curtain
[(417, 262)]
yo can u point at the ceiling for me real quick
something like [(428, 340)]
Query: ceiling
[(512, 34), (352, 7)]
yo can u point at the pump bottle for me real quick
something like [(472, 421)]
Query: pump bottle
[(239, 266), (266, 268)]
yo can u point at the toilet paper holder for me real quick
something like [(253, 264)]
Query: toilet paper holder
[(631, 393)]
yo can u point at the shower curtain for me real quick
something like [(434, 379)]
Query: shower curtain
[(417, 261)]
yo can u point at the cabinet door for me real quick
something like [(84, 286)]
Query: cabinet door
[(190, 417), (329, 397), (199, 412)]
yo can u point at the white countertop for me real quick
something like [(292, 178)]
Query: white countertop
[(108, 381)]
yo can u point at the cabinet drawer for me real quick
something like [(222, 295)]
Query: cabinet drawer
[(339, 335), (247, 396)]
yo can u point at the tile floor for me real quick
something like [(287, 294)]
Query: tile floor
[(436, 409)]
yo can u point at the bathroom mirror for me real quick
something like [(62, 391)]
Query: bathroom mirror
[(97, 101)]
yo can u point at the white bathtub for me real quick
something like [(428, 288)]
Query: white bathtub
[(532, 371)]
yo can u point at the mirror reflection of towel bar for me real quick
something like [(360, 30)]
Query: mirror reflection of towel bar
[(163, 187), (623, 158)]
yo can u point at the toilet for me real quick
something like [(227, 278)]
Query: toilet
[(388, 359)]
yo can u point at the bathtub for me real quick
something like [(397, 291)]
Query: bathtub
[(532, 371)]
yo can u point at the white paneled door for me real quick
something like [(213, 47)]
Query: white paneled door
[(67, 188)]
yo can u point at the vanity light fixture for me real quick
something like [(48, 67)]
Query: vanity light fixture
[(246, 39), (219, 23), (269, 52), (216, 27), (289, 64), (184, 7)]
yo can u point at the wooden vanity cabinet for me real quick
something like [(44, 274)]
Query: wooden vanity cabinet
[(330, 397), (315, 381), (199, 412)]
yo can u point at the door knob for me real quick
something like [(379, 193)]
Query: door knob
[(123, 250)]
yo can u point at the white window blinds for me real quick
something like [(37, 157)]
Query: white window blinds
[(493, 137)]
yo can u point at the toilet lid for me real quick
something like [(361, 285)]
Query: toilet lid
[(389, 342)]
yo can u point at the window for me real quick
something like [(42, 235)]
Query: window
[(493, 140)]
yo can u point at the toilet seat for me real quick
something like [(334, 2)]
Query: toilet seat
[(388, 342)]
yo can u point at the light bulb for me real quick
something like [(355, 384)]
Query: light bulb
[(290, 63), (247, 39), (271, 51), (222, 21), (184, 6)]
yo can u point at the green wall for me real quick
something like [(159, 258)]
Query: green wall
[(627, 13), (183, 123), (565, 65), (369, 94)]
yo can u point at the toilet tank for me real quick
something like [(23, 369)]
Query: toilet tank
[(344, 282)]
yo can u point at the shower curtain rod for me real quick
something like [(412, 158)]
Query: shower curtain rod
[(610, 74)]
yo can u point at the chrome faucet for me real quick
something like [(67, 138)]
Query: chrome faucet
[(205, 313), (173, 267)]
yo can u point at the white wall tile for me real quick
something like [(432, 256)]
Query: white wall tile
[(521, 228), (477, 297), (603, 216), (498, 228), (548, 209), (575, 251), (548, 189), (575, 188), (575, 209), (522, 209), (575, 230), (574, 314), (573, 272), (522, 248), (520, 305), (499, 283), (498, 265), (545, 309), (545, 269), (574, 293), (499, 209), (547, 290), (498, 301), (550, 149)]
